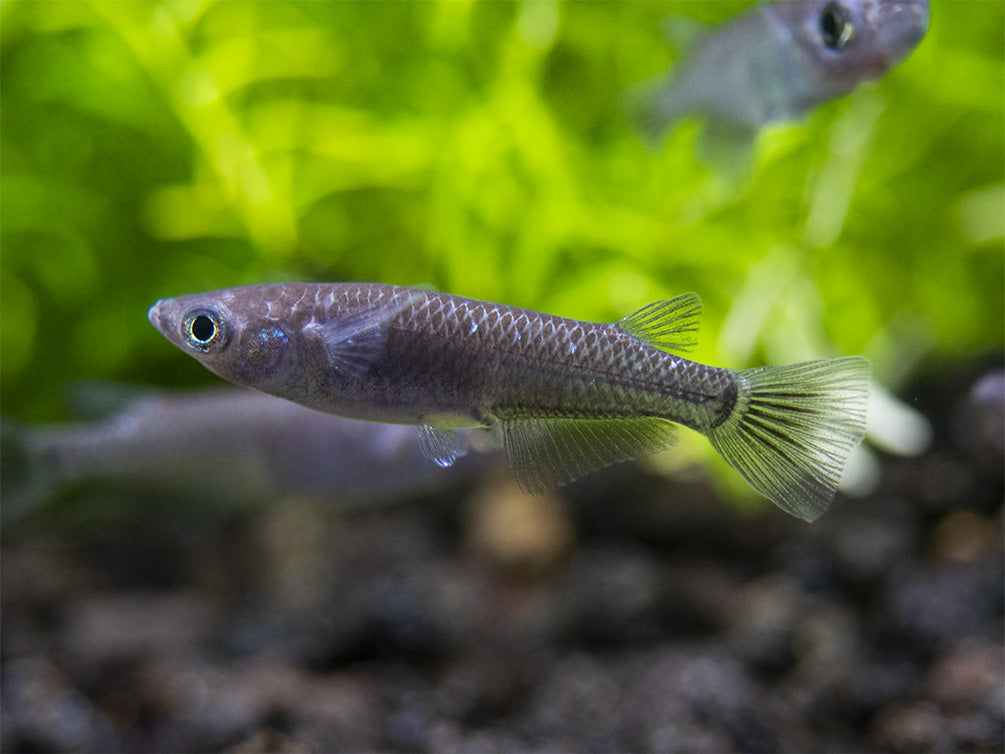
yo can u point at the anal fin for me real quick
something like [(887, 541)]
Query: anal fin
[(547, 453)]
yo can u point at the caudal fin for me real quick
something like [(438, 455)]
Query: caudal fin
[(793, 429)]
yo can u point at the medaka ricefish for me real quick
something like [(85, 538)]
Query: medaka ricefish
[(570, 396)]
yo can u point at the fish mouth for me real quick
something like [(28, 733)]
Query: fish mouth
[(920, 17), (162, 317), (907, 22)]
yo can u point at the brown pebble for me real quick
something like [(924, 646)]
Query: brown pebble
[(964, 536), (515, 531), (962, 680)]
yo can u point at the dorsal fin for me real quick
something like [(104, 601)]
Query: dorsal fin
[(683, 33), (670, 325)]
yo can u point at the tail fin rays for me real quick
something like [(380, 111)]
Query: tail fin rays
[(793, 429)]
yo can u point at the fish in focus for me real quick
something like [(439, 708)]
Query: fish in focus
[(570, 396), (220, 446), (779, 60)]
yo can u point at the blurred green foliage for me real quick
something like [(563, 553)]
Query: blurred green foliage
[(154, 149)]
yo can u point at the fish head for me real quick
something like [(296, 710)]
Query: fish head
[(846, 42), (227, 336)]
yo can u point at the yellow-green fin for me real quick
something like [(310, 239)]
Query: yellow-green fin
[(670, 325), (793, 428), (547, 453)]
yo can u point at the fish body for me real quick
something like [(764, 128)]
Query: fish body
[(570, 396), (779, 60)]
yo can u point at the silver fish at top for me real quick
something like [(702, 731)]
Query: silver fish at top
[(779, 60), (570, 396)]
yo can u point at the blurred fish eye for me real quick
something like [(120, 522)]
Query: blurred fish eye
[(204, 330), (835, 26)]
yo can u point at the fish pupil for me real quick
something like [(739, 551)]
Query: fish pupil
[(834, 27), (203, 328)]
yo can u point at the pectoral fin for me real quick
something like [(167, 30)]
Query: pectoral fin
[(443, 446), (355, 341), (547, 453)]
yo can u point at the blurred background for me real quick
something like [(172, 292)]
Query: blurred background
[(155, 149)]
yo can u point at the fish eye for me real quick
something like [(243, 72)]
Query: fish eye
[(835, 26), (205, 330)]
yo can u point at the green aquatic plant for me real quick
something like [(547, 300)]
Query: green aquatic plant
[(154, 149)]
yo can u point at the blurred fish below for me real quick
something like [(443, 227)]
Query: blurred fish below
[(777, 62), (226, 446)]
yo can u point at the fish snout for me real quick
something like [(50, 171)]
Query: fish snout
[(917, 14), (164, 316), (154, 315), (902, 26)]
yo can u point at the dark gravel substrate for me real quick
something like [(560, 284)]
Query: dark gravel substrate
[(632, 614)]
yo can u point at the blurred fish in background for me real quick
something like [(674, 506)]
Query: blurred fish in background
[(776, 62), (218, 446)]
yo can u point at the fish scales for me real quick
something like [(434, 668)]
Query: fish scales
[(570, 396)]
